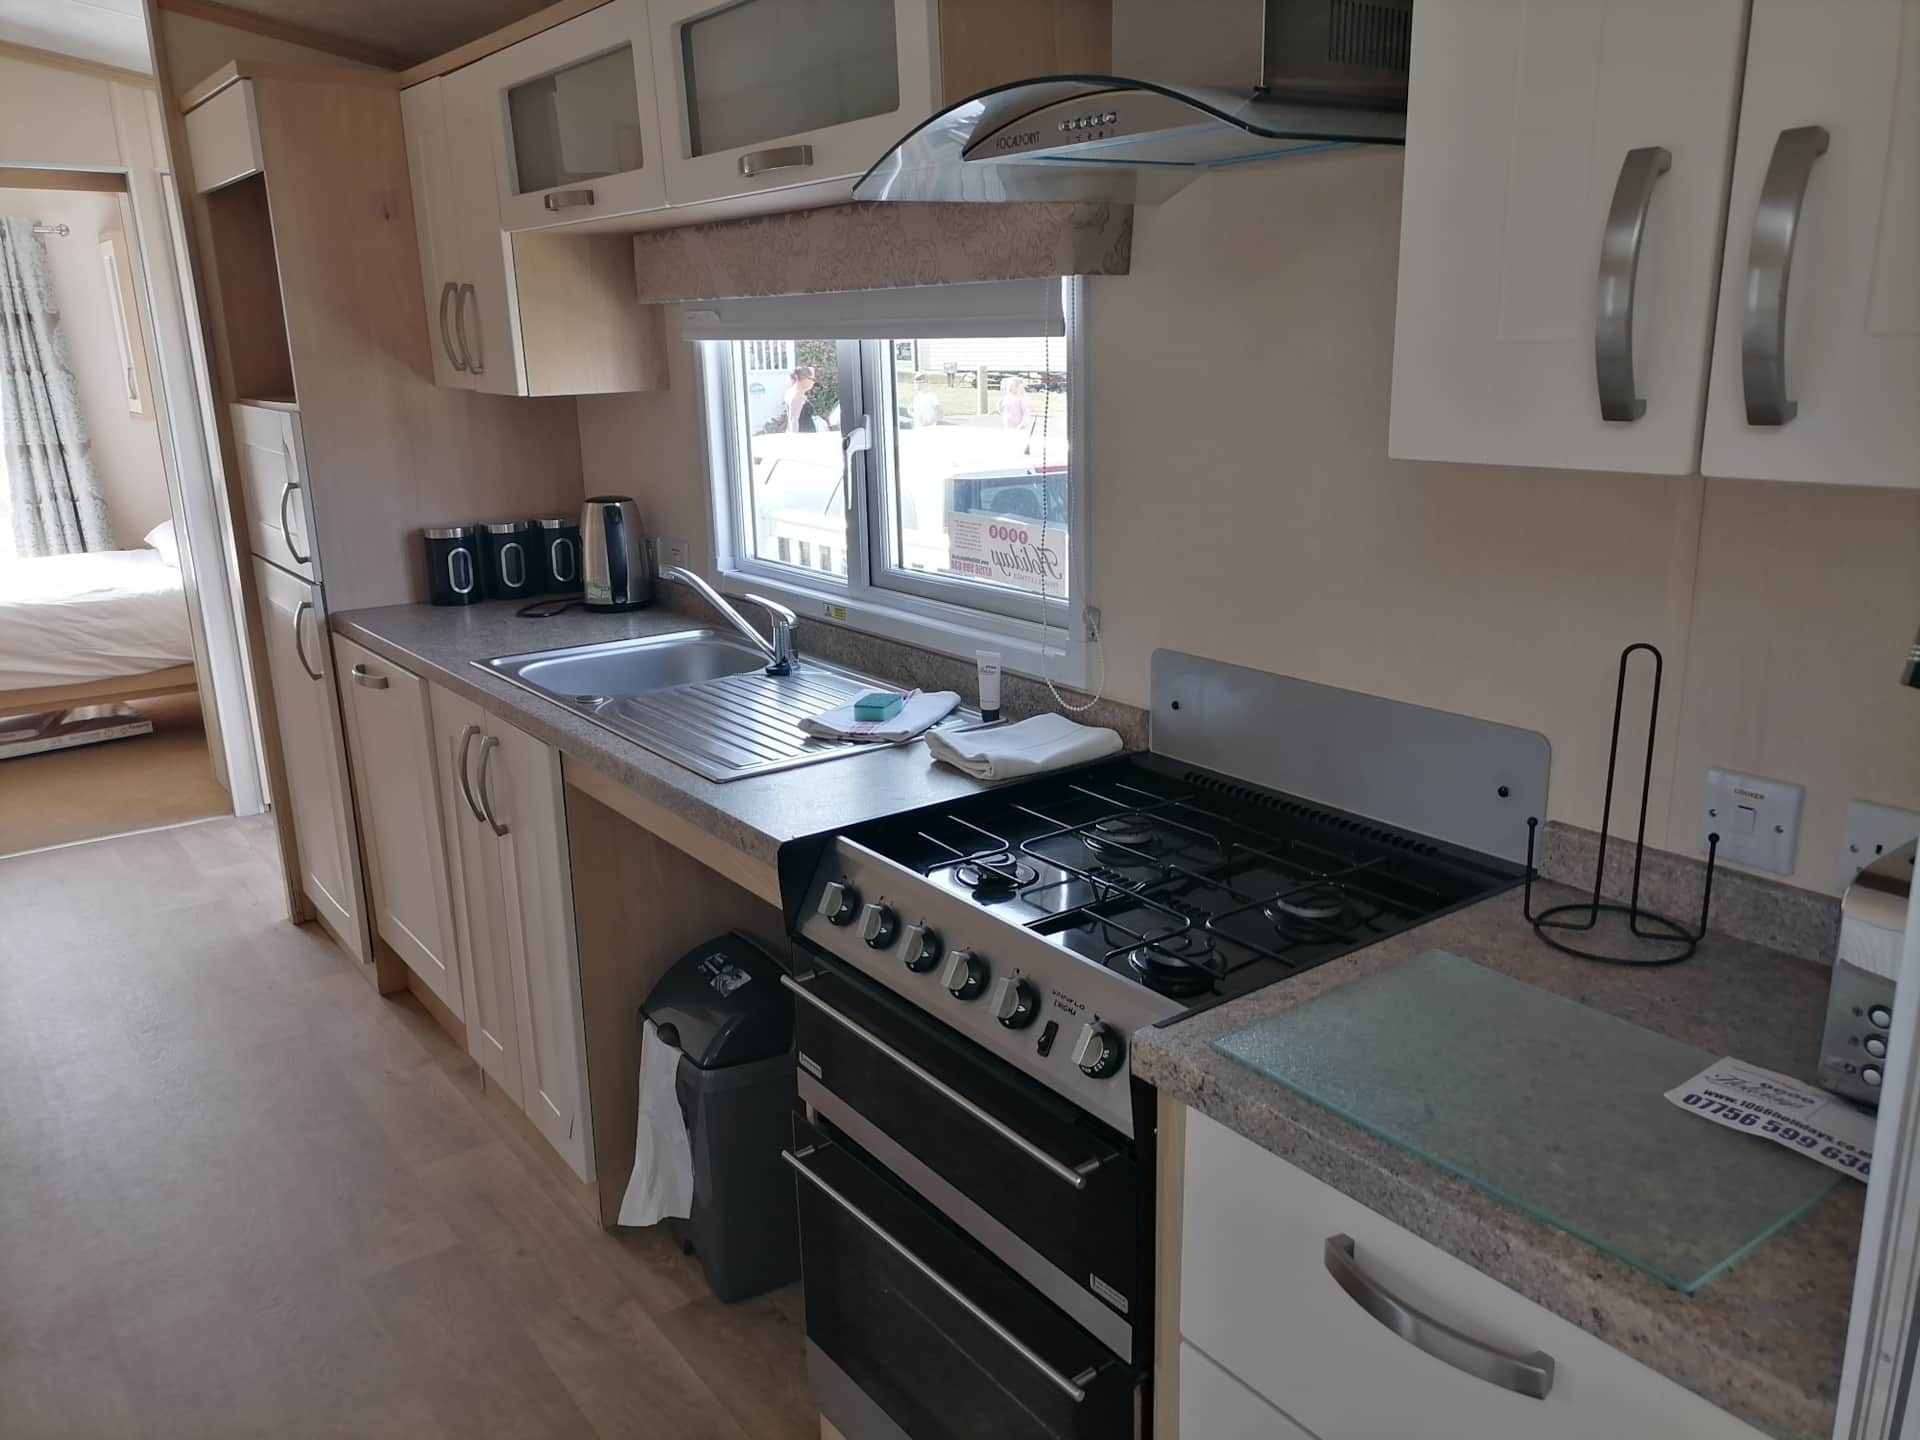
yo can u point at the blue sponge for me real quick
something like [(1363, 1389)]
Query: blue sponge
[(877, 705)]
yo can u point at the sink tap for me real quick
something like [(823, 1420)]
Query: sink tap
[(781, 656)]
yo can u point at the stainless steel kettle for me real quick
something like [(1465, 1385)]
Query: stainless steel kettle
[(616, 561)]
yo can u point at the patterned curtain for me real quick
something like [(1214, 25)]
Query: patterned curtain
[(55, 502)]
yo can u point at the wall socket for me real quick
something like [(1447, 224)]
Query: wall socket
[(668, 552), (1757, 820), (1871, 831)]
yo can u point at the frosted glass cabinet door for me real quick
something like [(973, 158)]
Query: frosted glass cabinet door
[(576, 118), (1530, 131), (765, 94)]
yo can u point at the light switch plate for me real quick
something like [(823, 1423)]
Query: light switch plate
[(1871, 831), (1758, 820)]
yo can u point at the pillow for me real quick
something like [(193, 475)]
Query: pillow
[(161, 539)]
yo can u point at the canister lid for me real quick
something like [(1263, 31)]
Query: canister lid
[(558, 522), (506, 527), (448, 532)]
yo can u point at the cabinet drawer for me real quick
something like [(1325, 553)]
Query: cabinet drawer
[(273, 487), (1215, 1406), (1258, 1296)]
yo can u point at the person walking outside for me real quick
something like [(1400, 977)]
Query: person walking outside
[(800, 417)]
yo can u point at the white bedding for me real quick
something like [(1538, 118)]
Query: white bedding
[(67, 619)]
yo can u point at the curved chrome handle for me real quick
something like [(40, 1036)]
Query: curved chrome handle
[(476, 353), (485, 786), (367, 679), (1057, 1168), (1530, 1375), (460, 772), (447, 292), (286, 519), (940, 1282), (568, 199), (1763, 325), (300, 640), (1619, 268), (780, 157)]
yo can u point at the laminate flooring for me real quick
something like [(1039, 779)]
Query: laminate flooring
[(241, 1194)]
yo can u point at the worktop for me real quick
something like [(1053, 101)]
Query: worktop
[(1763, 1341)]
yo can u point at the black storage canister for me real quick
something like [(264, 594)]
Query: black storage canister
[(723, 1007), (453, 564), (556, 543), (506, 560)]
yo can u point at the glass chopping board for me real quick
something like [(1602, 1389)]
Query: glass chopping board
[(1549, 1105)]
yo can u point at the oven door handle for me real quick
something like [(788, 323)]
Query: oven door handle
[(1068, 1387), (1059, 1169)]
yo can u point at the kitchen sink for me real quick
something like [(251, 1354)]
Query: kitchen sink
[(698, 697)]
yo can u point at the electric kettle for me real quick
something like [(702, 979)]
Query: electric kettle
[(616, 562)]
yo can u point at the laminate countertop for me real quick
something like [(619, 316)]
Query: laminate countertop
[(1764, 1340), (754, 816)]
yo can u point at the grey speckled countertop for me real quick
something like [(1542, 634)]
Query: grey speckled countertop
[(1764, 1340), (755, 815)]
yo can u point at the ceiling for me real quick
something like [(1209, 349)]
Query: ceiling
[(107, 32), (408, 30)]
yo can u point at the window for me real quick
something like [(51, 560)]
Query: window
[(901, 459)]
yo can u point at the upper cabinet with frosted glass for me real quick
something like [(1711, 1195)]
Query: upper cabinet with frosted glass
[(759, 95)]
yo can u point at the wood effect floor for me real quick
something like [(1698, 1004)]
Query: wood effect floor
[(240, 1194)]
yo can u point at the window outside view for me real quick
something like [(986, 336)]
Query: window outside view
[(790, 390)]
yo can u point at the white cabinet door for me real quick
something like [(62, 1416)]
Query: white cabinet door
[(1215, 1406), (273, 484), (1523, 124), (519, 785), (480, 913), (485, 318), (395, 779), (424, 117), (1845, 354), (312, 749), (573, 114), (1258, 1295), (223, 137), (764, 94)]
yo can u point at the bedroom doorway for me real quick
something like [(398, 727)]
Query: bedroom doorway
[(109, 635)]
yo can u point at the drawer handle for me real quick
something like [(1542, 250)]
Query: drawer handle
[(460, 770), (780, 157), (1763, 326), (568, 199), (485, 785), (1619, 269), (365, 677), (1530, 1375), (300, 612)]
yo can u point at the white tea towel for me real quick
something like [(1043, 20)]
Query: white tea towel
[(922, 708), (1046, 742), (662, 1182)]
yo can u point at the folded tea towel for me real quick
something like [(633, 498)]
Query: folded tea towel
[(922, 708), (1046, 742)]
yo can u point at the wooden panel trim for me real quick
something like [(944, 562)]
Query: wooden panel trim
[(174, 680), (25, 177), (54, 60), (751, 875), (557, 14), (321, 40), (198, 95)]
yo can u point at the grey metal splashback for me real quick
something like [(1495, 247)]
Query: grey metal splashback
[(1470, 782)]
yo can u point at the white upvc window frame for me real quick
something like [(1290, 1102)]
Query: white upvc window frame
[(936, 614)]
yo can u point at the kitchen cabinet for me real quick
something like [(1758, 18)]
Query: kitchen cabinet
[(273, 486), (1215, 1406), (305, 712), (396, 786), (1261, 1242), (759, 95), (1823, 386), (510, 874)]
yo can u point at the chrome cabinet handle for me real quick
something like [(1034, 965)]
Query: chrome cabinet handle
[(1763, 325), (1530, 1375), (485, 786), (780, 157), (1057, 1168), (300, 640), (454, 358), (460, 772), (286, 518), (1066, 1386), (567, 199), (366, 678), (476, 353), (1619, 269)]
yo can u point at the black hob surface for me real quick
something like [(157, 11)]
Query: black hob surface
[(1187, 882)]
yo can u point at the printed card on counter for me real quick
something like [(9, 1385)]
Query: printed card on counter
[(1776, 1107)]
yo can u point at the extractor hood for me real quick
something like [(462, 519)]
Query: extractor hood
[(1330, 73)]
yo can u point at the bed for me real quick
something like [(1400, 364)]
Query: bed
[(93, 629)]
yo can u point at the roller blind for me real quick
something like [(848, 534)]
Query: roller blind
[(921, 312)]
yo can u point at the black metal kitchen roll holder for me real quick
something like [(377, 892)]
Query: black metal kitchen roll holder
[(1660, 930)]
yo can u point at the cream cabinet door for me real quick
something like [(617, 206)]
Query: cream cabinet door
[(1818, 380), (423, 116), (484, 304), (1215, 1406), (313, 751), (273, 485), (520, 790), (479, 909), (395, 779), (1534, 133)]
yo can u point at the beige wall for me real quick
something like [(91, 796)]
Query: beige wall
[(126, 449), (1243, 507)]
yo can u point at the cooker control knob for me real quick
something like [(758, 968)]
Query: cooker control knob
[(1098, 1051), (966, 975), (839, 902), (922, 949), (878, 926), (1014, 1003)]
